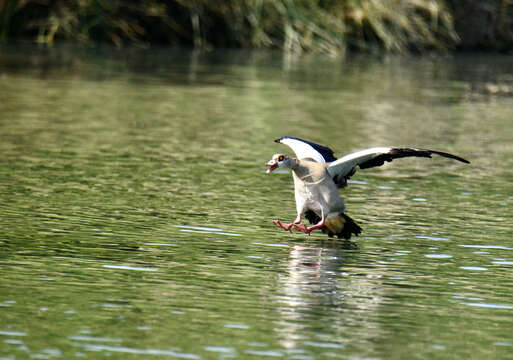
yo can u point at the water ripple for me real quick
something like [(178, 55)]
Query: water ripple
[(500, 247), (220, 349), (359, 182), (502, 262), (236, 326), (433, 238), (503, 343), (270, 353), (93, 338), (129, 350), (489, 306), (160, 244), (270, 244), (205, 230), (474, 268), (329, 345), (12, 333), (127, 267), (438, 256)]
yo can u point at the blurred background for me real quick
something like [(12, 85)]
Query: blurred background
[(331, 26)]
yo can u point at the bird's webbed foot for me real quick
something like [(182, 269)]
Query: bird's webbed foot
[(279, 224), (309, 229), (302, 228)]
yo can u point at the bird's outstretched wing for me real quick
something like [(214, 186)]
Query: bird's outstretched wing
[(307, 149), (342, 169)]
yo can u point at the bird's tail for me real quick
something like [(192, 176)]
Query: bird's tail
[(339, 225)]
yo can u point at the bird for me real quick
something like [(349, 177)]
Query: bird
[(318, 175)]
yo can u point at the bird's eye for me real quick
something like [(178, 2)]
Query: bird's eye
[(280, 158)]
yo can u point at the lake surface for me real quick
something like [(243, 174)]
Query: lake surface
[(135, 216)]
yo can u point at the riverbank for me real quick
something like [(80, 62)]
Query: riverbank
[(292, 25)]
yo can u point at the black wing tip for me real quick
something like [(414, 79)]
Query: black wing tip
[(451, 156), (410, 151), (397, 153)]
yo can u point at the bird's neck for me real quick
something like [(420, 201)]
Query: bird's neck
[(310, 173), (300, 169), (295, 164)]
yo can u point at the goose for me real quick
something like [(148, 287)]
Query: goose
[(318, 175)]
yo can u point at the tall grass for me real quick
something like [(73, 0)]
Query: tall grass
[(330, 26)]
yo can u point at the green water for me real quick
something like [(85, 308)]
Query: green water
[(135, 216)]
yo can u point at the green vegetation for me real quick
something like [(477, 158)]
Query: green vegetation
[(330, 26)]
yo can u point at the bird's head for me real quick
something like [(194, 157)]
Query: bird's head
[(279, 161)]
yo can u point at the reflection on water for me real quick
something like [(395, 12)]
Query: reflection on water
[(316, 286), (135, 215)]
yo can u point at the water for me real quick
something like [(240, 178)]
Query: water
[(135, 216)]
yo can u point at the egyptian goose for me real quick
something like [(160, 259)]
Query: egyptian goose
[(318, 175)]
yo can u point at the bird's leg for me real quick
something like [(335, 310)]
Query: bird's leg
[(319, 225), (287, 227), (309, 229)]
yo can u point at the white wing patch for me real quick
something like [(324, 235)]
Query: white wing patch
[(303, 150), (346, 163)]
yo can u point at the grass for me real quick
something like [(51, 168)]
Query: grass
[(329, 26)]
